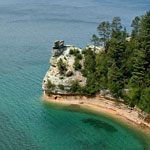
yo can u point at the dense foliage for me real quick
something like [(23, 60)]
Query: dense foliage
[(75, 87), (124, 64)]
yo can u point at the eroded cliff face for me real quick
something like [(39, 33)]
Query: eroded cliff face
[(63, 71)]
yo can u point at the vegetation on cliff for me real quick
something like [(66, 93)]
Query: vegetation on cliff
[(121, 67), (125, 63), (61, 66), (124, 66)]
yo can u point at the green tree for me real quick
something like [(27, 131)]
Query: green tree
[(92, 85), (75, 87), (144, 37), (124, 64), (144, 103), (146, 82), (116, 27), (115, 81), (134, 96), (124, 34), (89, 61), (115, 52), (128, 58), (135, 25), (95, 40), (104, 31), (101, 69), (138, 68)]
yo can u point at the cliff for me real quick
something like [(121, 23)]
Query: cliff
[(66, 65), (65, 68)]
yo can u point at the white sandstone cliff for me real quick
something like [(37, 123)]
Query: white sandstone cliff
[(55, 78)]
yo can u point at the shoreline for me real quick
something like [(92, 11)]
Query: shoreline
[(102, 105)]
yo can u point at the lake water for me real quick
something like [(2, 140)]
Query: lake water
[(28, 29)]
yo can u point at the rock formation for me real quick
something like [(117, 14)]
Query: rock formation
[(58, 48), (62, 72)]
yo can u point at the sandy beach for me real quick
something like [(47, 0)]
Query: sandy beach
[(103, 105)]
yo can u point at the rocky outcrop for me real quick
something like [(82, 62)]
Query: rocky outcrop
[(62, 72), (58, 48)]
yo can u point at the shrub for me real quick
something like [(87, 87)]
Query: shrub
[(50, 85), (77, 64), (84, 51), (74, 52), (65, 58), (69, 73), (61, 66), (61, 86), (79, 56), (75, 87), (71, 52)]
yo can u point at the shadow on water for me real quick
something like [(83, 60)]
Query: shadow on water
[(101, 125), (98, 124), (72, 107), (64, 107)]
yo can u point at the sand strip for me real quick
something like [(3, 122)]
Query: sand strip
[(103, 105)]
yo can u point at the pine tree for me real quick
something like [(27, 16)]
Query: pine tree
[(146, 81), (144, 103), (138, 68), (115, 51), (95, 40), (125, 63), (135, 25), (101, 69), (145, 37), (115, 80), (116, 27), (104, 31)]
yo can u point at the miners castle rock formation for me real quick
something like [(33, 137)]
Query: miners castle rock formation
[(62, 72)]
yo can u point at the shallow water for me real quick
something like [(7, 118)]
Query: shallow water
[(27, 31)]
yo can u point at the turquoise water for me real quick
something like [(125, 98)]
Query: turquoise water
[(27, 31)]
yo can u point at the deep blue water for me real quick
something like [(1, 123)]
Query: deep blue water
[(28, 29)]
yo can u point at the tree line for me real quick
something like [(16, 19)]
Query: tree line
[(124, 64)]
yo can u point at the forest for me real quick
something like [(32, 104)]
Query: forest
[(124, 66)]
